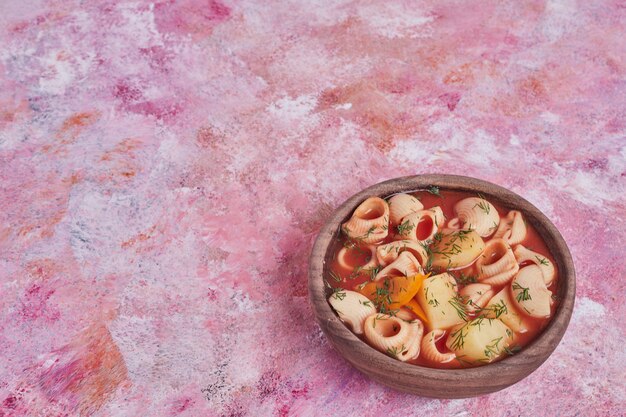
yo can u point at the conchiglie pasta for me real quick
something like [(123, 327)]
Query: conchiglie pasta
[(369, 222), (497, 264), (548, 271), (401, 205), (429, 348), (530, 292), (353, 308), (439, 217), (392, 335), (512, 228), (405, 265), (475, 213), (476, 296), (502, 307), (385, 254), (420, 226)]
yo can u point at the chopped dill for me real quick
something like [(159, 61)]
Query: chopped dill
[(405, 228), (483, 204), (499, 308), (459, 306), (467, 279), (513, 350), (394, 352), (434, 190), (523, 295), (334, 275), (339, 294), (493, 350), (458, 338), (462, 361), (542, 261), (366, 303)]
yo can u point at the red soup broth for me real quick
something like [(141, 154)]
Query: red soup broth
[(359, 254)]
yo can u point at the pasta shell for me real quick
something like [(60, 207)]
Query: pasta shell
[(512, 228), (369, 222), (548, 271), (401, 205), (342, 259), (440, 218), (497, 264), (410, 225), (406, 314), (385, 332), (475, 213), (353, 308), (529, 292), (429, 348), (404, 265), (394, 336), (476, 296), (385, 254), (502, 307), (414, 341)]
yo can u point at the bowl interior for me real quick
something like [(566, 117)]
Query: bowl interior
[(443, 383)]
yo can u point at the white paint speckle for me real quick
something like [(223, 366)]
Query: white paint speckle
[(586, 307), (292, 109), (393, 20)]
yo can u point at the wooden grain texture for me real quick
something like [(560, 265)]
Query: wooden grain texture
[(442, 383)]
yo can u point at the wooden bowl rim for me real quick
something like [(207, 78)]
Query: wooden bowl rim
[(551, 334)]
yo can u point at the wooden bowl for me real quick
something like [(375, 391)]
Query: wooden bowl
[(442, 383)]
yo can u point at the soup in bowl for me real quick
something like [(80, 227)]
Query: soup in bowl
[(441, 285)]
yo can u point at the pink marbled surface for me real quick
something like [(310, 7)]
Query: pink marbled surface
[(165, 167)]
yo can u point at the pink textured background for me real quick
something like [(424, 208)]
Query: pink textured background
[(165, 167)]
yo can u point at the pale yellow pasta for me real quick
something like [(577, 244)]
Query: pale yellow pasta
[(512, 228), (385, 254), (523, 254), (342, 255), (439, 298), (404, 265), (406, 314), (352, 307), (530, 293), (408, 227), (394, 336), (440, 218), (401, 205), (480, 340), (497, 264), (429, 348), (457, 249), (502, 307), (415, 341), (369, 222), (476, 296), (475, 213)]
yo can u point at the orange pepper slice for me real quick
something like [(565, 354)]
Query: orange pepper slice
[(393, 292), (415, 307)]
